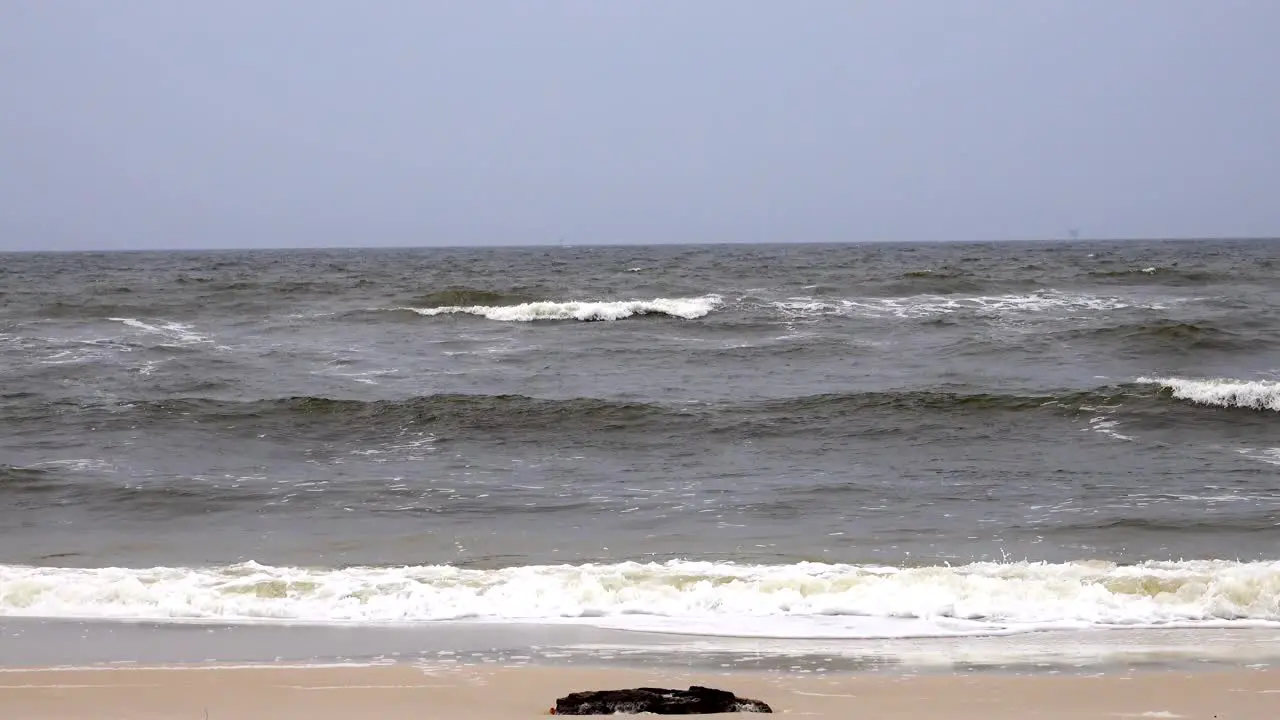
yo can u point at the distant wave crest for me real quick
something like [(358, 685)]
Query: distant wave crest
[(933, 305), (1155, 275)]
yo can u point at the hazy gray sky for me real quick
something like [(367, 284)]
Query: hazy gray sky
[(194, 123)]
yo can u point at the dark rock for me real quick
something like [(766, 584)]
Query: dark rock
[(696, 700)]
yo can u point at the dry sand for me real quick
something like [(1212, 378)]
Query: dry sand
[(488, 692)]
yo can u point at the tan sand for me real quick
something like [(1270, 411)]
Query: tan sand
[(499, 693)]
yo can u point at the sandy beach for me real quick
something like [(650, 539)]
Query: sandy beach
[(406, 691)]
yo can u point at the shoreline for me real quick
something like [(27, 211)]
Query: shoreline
[(432, 668), (489, 692), (48, 643), (73, 670)]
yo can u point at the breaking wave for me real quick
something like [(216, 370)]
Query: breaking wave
[(708, 598), (690, 308), (1248, 394)]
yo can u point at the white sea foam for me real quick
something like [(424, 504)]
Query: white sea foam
[(690, 308), (1271, 456), (77, 465), (1252, 394), (367, 377), (1106, 425), (924, 306), (805, 600), (180, 333), (406, 446), (71, 351)]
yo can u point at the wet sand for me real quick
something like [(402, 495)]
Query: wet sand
[(282, 692)]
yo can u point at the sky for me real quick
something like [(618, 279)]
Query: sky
[(137, 124)]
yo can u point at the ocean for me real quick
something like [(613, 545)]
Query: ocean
[(873, 442)]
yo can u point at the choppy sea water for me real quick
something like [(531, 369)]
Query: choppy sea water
[(818, 441)]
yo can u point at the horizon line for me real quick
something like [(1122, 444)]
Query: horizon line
[(560, 244)]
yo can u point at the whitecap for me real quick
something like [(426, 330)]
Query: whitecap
[(689, 308)]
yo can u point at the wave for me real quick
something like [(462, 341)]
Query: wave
[(933, 305), (688, 308), (89, 482), (1153, 274), (1262, 519), (707, 598), (468, 297), (467, 416), (940, 401), (176, 332), (1224, 393), (186, 302), (16, 480), (328, 418), (1168, 335), (942, 281)]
